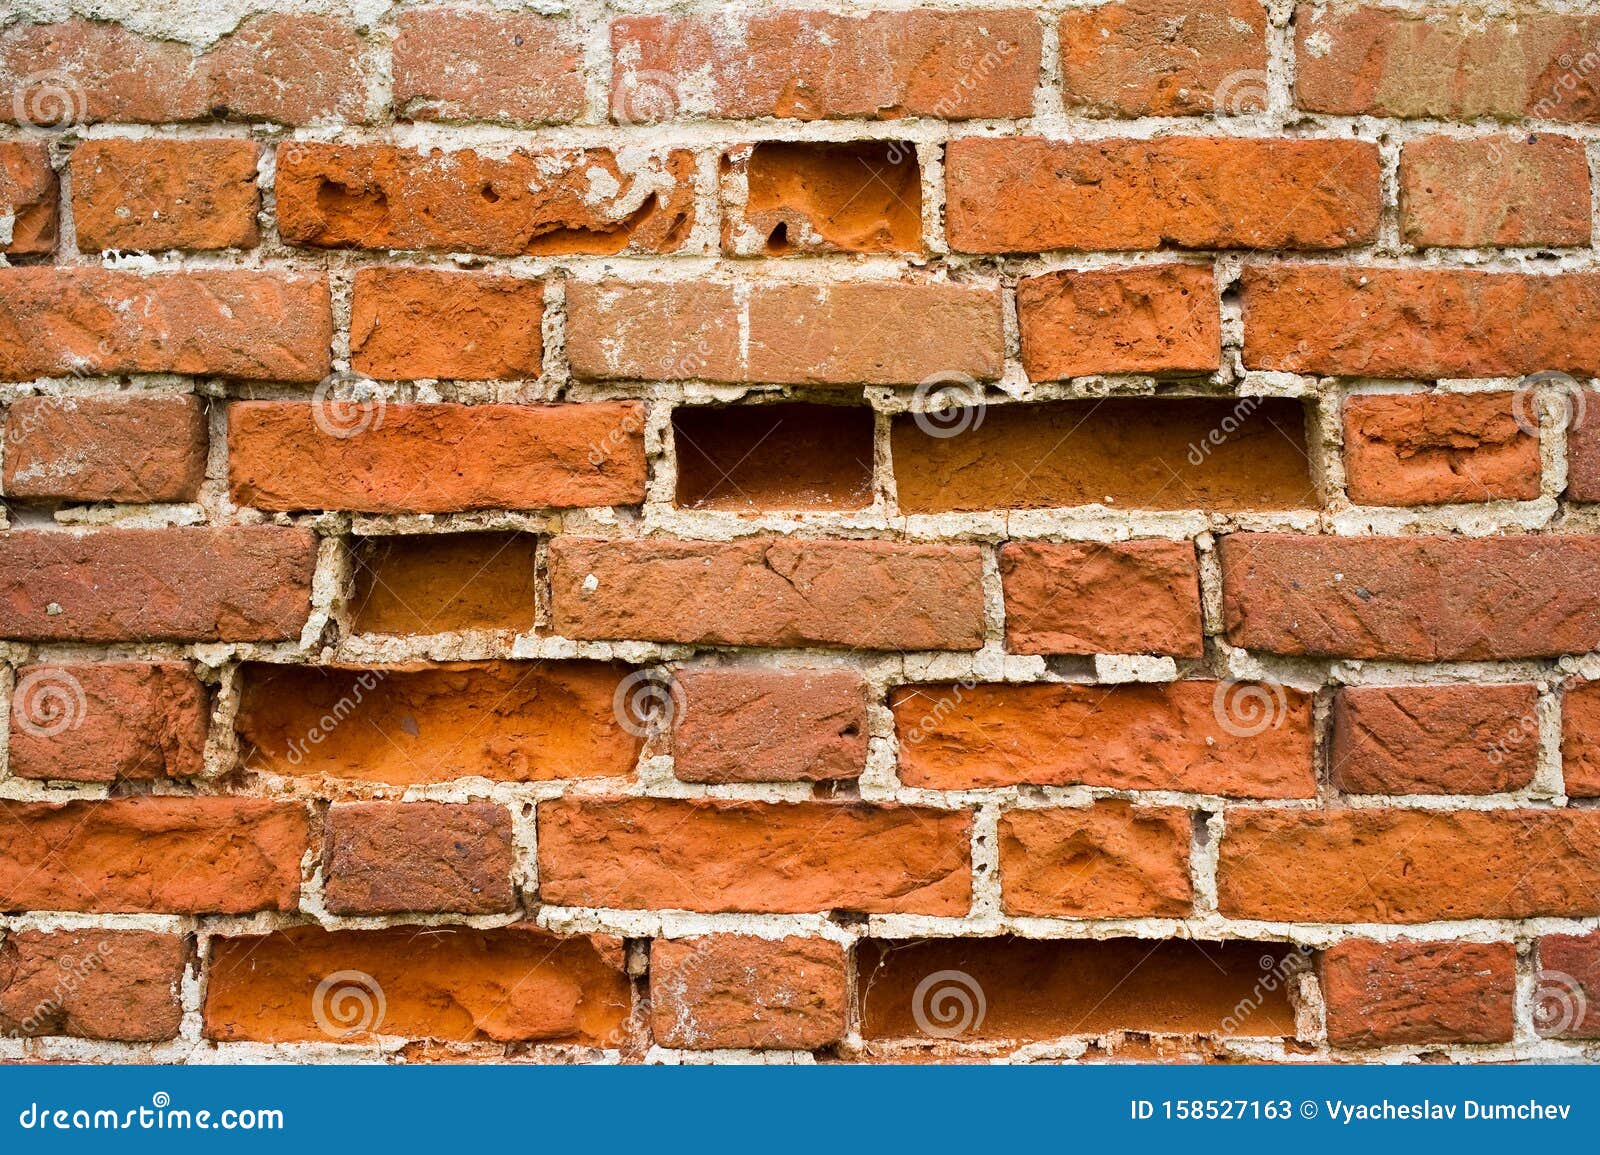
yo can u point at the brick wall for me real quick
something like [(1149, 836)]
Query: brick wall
[(757, 532)]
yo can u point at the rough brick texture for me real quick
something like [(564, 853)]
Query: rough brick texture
[(648, 532)]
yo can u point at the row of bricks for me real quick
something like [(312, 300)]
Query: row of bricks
[(1383, 322), (130, 721), (1425, 598), (1110, 860), (519, 984), (1126, 58), (1003, 196), (1215, 454)]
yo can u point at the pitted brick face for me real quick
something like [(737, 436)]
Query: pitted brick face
[(874, 532)]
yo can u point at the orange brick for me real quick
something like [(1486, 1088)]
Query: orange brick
[(727, 990), (1385, 994), (817, 65), (1160, 319), (28, 192), (1205, 737), (1434, 739), (1426, 323), (712, 855), (287, 455), (844, 333), (1500, 190), (1029, 195), (457, 63), (752, 724), (544, 202), (1110, 860), (165, 194), (1092, 598), (119, 985), (205, 322), (1433, 448), (115, 447), (409, 323)]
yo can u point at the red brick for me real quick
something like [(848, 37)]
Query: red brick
[(409, 323), (165, 194), (822, 197), (436, 458), (1499, 190), (500, 721), (295, 69), (1131, 597), (1566, 993), (769, 591), (115, 985), (1221, 453), (114, 447), (842, 333), (713, 855), (728, 990), (510, 984), (161, 855), (817, 65), (1024, 194), (1580, 410), (1152, 319), (98, 722), (237, 584), (1165, 57), (1109, 860), (512, 68), (397, 857), (543, 202), (1580, 739), (1434, 448), (1478, 739), (1425, 323), (1445, 63), (748, 724), (28, 192), (206, 322), (1426, 599), (1203, 737), (1409, 866), (1386, 994)]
